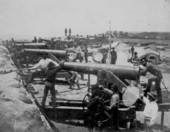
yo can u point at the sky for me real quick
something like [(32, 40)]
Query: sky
[(48, 18)]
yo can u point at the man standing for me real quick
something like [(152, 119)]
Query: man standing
[(80, 55), (50, 73), (41, 65), (115, 97), (113, 56), (114, 105), (132, 50), (156, 77)]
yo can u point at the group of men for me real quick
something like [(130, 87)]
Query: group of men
[(112, 54), (152, 95), (155, 77), (74, 54), (133, 56), (49, 68)]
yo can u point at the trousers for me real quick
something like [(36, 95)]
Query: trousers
[(157, 81), (52, 91)]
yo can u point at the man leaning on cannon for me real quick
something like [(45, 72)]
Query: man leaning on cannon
[(40, 68), (50, 73), (156, 77)]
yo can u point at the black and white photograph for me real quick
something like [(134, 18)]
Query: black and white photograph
[(84, 65)]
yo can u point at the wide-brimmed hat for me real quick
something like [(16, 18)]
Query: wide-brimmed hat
[(152, 95)]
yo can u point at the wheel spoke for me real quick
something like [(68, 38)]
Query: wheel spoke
[(107, 114)]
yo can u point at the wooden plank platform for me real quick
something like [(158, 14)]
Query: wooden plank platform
[(71, 103), (64, 112)]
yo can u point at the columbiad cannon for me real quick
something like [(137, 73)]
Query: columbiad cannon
[(59, 53), (69, 55), (123, 72), (30, 44), (107, 74)]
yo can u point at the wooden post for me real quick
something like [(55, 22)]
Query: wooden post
[(162, 118), (86, 58)]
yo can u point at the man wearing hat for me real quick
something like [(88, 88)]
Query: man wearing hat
[(150, 110), (156, 77), (50, 73), (41, 65)]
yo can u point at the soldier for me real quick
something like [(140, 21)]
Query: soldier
[(156, 77), (114, 105), (86, 53), (42, 65), (132, 50), (69, 31), (65, 31), (115, 97), (74, 79), (113, 56), (50, 73), (80, 56)]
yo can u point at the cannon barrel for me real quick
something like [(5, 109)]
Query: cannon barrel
[(22, 41), (45, 39), (56, 52), (124, 72), (30, 44)]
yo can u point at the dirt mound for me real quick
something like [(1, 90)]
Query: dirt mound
[(19, 117), (17, 111)]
